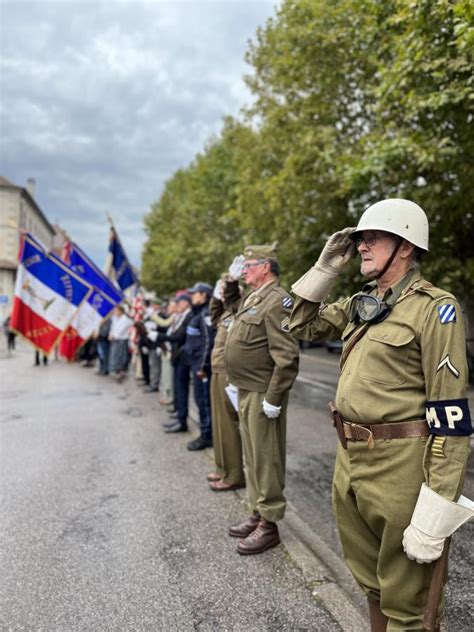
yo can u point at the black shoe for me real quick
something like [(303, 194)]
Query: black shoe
[(173, 415), (177, 427), (171, 410), (199, 444), (150, 389), (173, 422)]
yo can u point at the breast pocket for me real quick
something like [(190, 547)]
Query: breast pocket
[(251, 329), (386, 351)]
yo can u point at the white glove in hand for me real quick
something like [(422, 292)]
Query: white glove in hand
[(218, 290), (421, 547), (316, 284), (153, 336), (271, 411), (236, 267), (434, 519)]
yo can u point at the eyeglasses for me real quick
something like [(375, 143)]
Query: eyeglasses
[(369, 241), (246, 266)]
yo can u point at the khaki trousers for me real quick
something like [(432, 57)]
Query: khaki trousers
[(374, 495), (264, 442), (225, 433)]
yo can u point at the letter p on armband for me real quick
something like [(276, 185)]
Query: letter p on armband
[(449, 417)]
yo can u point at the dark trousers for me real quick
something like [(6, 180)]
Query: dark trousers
[(182, 392), (37, 358), (11, 340), (145, 366), (202, 397), (103, 350)]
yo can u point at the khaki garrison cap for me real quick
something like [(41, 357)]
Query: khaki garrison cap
[(267, 251)]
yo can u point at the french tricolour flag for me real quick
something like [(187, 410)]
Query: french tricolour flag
[(47, 295), (85, 322), (100, 303)]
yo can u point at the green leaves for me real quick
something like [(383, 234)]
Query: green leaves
[(353, 101)]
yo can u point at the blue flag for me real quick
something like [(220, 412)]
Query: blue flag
[(80, 262), (120, 264)]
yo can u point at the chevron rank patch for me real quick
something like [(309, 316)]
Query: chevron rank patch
[(447, 314), (285, 325), (446, 362), (449, 417), (287, 302)]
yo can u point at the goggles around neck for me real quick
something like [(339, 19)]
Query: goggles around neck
[(369, 309)]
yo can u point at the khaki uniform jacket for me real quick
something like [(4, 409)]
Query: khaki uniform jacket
[(260, 353), (221, 319), (398, 365)]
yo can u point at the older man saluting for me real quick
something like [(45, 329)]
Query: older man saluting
[(261, 359)]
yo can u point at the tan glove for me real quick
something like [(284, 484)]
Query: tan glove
[(316, 284)]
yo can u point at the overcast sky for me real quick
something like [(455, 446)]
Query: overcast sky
[(101, 102)]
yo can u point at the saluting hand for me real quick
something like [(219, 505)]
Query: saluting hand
[(337, 252)]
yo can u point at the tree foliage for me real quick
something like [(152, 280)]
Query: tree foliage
[(354, 101)]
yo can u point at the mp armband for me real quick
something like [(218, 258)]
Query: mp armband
[(449, 417)]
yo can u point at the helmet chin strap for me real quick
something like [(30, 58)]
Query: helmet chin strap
[(390, 259)]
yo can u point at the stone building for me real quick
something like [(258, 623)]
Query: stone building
[(18, 211)]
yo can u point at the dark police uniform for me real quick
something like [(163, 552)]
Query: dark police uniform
[(197, 353)]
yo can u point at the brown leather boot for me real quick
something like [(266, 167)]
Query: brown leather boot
[(213, 476), (378, 621), (245, 528), (264, 537)]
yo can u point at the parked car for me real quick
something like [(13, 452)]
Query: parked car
[(333, 346)]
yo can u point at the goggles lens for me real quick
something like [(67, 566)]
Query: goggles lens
[(370, 309)]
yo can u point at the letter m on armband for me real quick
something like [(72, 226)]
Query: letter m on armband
[(449, 417)]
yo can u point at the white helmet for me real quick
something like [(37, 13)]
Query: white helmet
[(399, 217)]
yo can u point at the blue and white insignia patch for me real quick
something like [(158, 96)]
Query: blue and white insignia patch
[(287, 302), (447, 314), (449, 417), (252, 311)]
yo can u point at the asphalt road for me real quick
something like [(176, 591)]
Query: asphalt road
[(108, 524)]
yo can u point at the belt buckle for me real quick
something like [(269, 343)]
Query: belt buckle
[(360, 433)]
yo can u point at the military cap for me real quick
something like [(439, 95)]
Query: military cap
[(182, 297), (201, 287), (268, 252)]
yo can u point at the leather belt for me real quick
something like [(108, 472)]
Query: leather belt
[(399, 430)]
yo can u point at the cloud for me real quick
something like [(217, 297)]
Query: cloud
[(103, 101)]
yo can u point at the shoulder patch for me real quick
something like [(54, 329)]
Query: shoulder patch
[(287, 302), (208, 321), (285, 325), (447, 313), (449, 417)]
